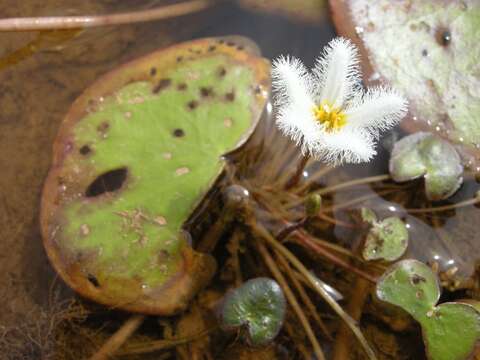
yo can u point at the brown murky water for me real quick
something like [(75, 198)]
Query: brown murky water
[(41, 74)]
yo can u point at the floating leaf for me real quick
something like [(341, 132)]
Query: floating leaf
[(135, 156), (440, 74), (411, 285), (424, 154), (259, 304), (368, 216), (451, 330), (387, 239)]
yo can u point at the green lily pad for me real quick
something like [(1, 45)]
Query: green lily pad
[(386, 239), (450, 330), (424, 154), (259, 305), (429, 50), (135, 156)]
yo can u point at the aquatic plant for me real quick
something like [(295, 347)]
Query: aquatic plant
[(136, 155), (259, 305), (426, 155), (386, 239), (326, 112), (431, 32), (450, 330)]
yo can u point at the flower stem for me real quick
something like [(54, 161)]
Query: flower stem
[(88, 21), (261, 231), (298, 172)]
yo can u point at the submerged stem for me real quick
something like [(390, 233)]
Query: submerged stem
[(88, 21), (343, 185), (118, 339), (291, 299), (460, 204), (261, 231), (298, 172)]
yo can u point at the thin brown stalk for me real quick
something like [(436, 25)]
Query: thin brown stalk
[(355, 308), (357, 200), (263, 233), (88, 21), (303, 294), (162, 344), (297, 175), (293, 334), (291, 300), (313, 178), (304, 239), (460, 204), (335, 222), (341, 186), (118, 339)]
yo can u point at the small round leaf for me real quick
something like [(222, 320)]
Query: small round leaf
[(259, 304), (386, 240)]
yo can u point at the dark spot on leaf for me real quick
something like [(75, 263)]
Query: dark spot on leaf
[(222, 71), (240, 47), (258, 89), (85, 150), (424, 52), (178, 133), (417, 279), (161, 85), (179, 58), (153, 71), (221, 41), (192, 104), (212, 48), (230, 43), (230, 96), (108, 182), (182, 86), (103, 127), (206, 91), (93, 280), (443, 36)]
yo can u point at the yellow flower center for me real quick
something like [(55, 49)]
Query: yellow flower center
[(332, 118)]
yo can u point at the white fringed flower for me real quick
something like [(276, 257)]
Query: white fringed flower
[(327, 112)]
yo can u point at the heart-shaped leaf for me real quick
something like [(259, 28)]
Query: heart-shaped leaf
[(451, 330), (411, 285), (386, 239), (135, 156), (440, 73), (259, 305), (424, 154)]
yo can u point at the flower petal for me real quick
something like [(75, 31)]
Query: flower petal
[(290, 81), (377, 110), (346, 146), (294, 104), (298, 123), (337, 72)]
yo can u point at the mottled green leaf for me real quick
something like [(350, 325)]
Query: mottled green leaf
[(450, 330), (386, 240), (259, 305), (135, 156), (424, 154)]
